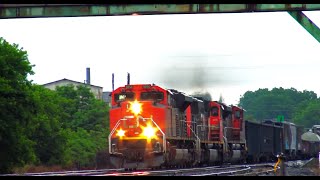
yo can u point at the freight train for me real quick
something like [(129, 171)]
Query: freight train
[(153, 127)]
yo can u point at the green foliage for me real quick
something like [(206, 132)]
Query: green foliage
[(44, 127), (308, 114), (86, 123), (70, 126), (16, 107), (47, 128), (81, 147), (264, 104)]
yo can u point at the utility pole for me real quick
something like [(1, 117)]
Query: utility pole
[(112, 81), (128, 79)]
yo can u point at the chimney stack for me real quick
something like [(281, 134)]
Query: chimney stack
[(88, 75)]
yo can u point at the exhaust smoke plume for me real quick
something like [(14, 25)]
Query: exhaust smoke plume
[(204, 95), (190, 73)]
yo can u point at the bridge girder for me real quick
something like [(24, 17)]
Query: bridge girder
[(77, 10), (74, 10)]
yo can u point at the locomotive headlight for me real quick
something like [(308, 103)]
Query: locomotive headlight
[(120, 133), (135, 107), (149, 131)]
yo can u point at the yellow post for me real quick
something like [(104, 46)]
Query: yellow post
[(281, 163), (276, 165)]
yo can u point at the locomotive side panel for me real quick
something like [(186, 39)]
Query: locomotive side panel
[(215, 121), (238, 129)]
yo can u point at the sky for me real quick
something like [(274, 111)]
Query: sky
[(223, 54)]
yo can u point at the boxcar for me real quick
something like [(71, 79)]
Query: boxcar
[(263, 140)]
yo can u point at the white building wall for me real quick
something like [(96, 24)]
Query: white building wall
[(97, 91)]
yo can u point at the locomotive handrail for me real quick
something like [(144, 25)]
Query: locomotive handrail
[(198, 143), (111, 133), (198, 139), (225, 136), (199, 130), (225, 130), (229, 127)]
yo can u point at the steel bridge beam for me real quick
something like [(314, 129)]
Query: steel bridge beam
[(73, 10), (306, 23), (76, 10)]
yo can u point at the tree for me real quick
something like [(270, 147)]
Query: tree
[(47, 129), (86, 122), (264, 104), (221, 99), (308, 114), (16, 107), (44, 127)]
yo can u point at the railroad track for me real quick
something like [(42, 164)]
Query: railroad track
[(70, 173), (225, 170), (245, 170), (177, 172), (259, 170)]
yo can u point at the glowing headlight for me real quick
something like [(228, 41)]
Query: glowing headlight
[(135, 107), (120, 133), (149, 131)]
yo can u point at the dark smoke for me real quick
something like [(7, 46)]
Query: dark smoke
[(203, 95), (188, 72)]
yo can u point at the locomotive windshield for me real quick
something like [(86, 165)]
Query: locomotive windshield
[(151, 96), (127, 96), (237, 114), (214, 111)]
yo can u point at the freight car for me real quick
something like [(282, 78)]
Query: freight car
[(310, 143), (316, 129), (263, 140), (267, 139)]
